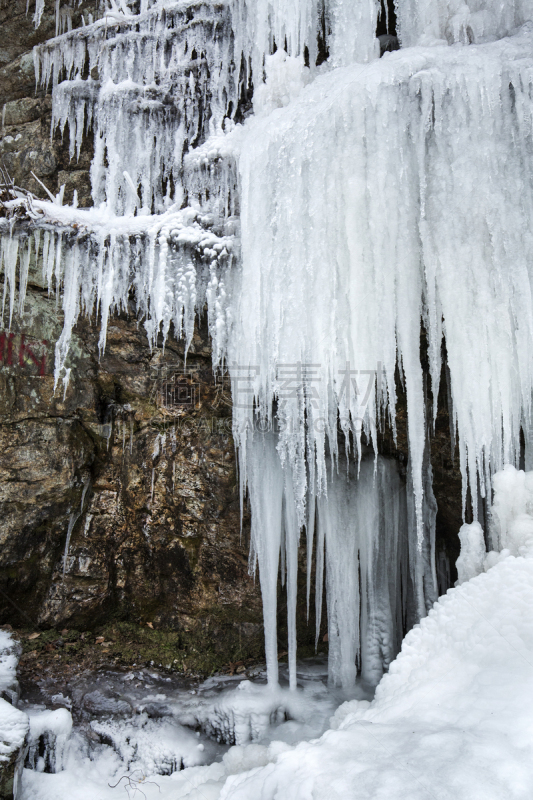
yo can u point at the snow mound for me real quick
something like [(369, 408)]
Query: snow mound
[(452, 718), (13, 729), (8, 667)]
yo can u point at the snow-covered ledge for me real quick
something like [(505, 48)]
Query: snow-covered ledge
[(14, 724)]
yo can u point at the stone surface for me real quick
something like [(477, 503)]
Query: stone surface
[(158, 537)]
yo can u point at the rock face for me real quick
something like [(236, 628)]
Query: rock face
[(133, 464)]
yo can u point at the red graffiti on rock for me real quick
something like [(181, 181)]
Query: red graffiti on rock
[(16, 350)]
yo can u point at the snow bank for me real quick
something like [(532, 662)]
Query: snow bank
[(14, 724), (452, 718)]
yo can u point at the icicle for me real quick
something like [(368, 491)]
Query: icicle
[(459, 21), (74, 517), (265, 482), (292, 539), (39, 9)]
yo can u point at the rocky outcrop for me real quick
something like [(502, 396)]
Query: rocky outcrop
[(133, 464)]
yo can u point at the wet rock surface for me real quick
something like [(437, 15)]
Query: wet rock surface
[(142, 485)]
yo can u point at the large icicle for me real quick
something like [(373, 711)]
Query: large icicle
[(374, 568), (358, 233)]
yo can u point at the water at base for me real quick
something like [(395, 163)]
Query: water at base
[(118, 727)]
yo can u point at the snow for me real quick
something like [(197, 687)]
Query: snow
[(473, 552), (452, 718)]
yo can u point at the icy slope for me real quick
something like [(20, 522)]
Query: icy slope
[(452, 719)]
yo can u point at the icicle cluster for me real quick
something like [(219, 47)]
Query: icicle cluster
[(346, 29), (394, 193), (459, 21), (173, 262), (378, 579), (151, 85)]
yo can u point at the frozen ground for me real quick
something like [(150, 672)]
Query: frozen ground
[(451, 720), (143, 726)]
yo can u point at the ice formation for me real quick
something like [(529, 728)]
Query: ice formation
[(473, 552), (511, 519), (451, 718), (372, 194), (92, 260), (13, 722), (459, 21), (47, 739)]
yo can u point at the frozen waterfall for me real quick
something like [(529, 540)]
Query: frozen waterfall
[(365, 198)]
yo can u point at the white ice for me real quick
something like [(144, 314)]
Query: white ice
[(459, 21), (14, 723), (452, 718)]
